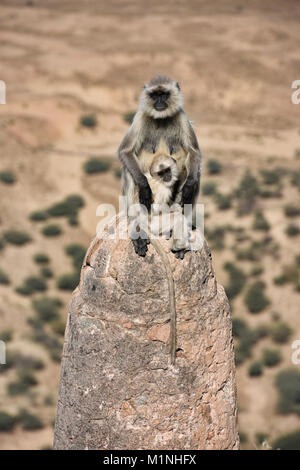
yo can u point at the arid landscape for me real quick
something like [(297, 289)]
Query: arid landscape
[(73, 72)]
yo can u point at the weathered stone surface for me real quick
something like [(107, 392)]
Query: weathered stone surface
[(117, 388)]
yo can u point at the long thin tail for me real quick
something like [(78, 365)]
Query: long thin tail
[(165, 259)]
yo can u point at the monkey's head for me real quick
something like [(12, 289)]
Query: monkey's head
[(161, 98), (164, 169)]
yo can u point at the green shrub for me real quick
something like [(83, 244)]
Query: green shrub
[(209, 188), (24, 290), (25, 381), (6, 335), (96, 165), (69, 206), (214, 167), (247, 338), (7, 422), (46, 272), (21, 361), (77, 252), (16, 238), (267, 193), (289, 441), (250, 253), (58, 326), (73, 220), (239, 327), (128, 117), (291, 210), (216, 235), (255, 369), (261, 331), (223, 201), (271, 357), (280, 332), (36, 284), (68, 281), (260, 222), (295, 179), (49, 341), (290, 273), (29, 421), (32, 284), (7, 177), (236, 282), (41, 258), (88, 120), (271, 176), (51, 230), (280, 280), (39, 216), (292, 230), (257, 270), (47, 308), (243, 437), (255, 298), (241, 354), (288, 386), (246, 193), (4, 279)]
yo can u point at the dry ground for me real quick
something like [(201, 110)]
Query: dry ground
[(235, 61)]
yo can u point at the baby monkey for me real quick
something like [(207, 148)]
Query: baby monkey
[(162, 176)]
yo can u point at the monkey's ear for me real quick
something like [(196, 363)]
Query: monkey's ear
[(178, 86)]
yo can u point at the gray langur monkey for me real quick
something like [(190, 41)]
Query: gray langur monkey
[(160, 126)]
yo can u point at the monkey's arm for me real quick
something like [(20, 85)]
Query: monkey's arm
[(127, 157), (191, 187)]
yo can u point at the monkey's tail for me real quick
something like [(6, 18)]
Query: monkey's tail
[(165, 259)]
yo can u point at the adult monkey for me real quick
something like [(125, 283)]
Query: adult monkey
[(160, 126)]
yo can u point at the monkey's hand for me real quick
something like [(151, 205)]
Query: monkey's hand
[(189, 191), (141, 244), (145, 194)]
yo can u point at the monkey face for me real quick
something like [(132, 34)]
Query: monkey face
[(159, 99), (164, 169)]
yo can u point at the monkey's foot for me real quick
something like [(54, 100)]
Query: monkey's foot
[(180, 247), (141, 244), (180, 253)]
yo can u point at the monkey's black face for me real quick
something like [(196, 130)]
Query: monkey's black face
[(160, 99), (165, 174)]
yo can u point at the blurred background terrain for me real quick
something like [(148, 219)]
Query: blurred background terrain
[(74, 71)]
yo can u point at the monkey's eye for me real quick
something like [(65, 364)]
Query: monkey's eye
[(159, 95), (153, 96)]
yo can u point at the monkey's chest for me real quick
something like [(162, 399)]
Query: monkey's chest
[(146, 158)]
